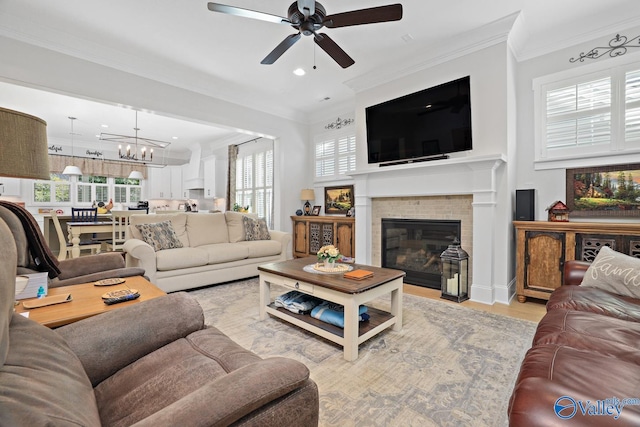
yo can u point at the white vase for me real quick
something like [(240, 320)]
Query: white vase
[(329, 264)]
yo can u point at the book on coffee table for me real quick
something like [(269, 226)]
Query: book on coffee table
[(358, 274)]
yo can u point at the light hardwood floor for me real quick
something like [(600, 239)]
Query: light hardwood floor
[(531, 310)]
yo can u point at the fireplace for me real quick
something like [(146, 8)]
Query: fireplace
[(415, 245)]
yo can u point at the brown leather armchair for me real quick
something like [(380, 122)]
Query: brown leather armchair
[(154, 363), (34, 255)]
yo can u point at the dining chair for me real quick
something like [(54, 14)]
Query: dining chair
[(120, 227), (84, 214), (66, 246)]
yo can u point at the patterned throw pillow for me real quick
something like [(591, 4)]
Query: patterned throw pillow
[(255, 229), (614, 272), (159, 235)]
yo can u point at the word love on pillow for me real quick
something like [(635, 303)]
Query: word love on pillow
[(614, 272)]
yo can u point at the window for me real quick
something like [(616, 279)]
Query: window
[(335, 156), (589, 115), (86, 189), (254, 181), (56, 190)]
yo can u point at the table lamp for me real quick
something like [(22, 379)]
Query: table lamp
[(23, 146), (306, 195)]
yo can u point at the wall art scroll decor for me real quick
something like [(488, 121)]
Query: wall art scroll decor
[(339, 123), (618, 46)]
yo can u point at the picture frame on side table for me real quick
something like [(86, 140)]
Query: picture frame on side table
[(338, 200), (316, 210)]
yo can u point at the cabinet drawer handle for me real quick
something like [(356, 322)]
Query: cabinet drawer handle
[(297, 285)]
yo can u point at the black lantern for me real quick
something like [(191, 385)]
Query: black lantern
[(455, 273)]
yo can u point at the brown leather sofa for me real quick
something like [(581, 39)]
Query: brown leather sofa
[(153, 364), (582, 368)]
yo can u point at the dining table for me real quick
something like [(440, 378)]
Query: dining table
[(77, 228)]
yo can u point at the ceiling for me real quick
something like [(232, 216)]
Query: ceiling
[(184, 44)]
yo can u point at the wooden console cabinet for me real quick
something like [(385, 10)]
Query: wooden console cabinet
[(310, 233), (543, 247)]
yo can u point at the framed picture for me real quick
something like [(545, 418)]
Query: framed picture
[(604, 191), (338, 200), (316, 210)]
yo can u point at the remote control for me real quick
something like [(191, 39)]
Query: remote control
[(123, 298)]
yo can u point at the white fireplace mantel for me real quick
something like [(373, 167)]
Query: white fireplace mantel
[(466, 175)]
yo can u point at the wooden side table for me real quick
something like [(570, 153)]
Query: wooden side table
[(87, 301)]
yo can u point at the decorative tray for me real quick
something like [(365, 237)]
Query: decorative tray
[(320, 268), (109, 282)]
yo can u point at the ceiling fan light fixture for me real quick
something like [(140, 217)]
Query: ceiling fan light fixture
[(299, 72)]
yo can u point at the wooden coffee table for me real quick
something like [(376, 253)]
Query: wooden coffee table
[(335, 288), (87, 301)]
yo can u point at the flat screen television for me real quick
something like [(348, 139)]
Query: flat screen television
[(420, 126)]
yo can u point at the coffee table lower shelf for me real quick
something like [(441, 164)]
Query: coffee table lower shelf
[(378, 320)]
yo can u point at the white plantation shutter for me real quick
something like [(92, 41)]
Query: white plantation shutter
[(632, 107), (254, 182), (335, 156), (579, 115), (591, 115)]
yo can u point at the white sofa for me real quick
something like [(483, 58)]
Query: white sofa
[(214, 250)]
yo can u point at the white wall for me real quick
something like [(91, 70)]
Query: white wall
[(550, 184), (44, 69)]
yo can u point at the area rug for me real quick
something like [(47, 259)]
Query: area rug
[(448, 366)]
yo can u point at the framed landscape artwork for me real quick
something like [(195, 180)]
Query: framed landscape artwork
[(604, 191), (338, 200)]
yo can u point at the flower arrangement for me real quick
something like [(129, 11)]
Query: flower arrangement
[(329, 253), (240, 208)]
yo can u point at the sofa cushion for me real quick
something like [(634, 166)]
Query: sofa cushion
[(178, 221), (260, 248), (255, 229), (42, 382), (235, 225), (174, 259), (596, 301), (225, 252), (207, 228), (159, 235), (167, 375), (614, 272)]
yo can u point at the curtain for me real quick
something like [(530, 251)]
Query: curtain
[(231, 177), (96, 167)]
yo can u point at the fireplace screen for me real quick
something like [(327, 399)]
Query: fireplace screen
[(415, 245)]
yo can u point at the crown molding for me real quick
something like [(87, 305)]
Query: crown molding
[(482, 37)]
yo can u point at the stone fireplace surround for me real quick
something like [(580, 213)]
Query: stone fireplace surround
[(461, 188)]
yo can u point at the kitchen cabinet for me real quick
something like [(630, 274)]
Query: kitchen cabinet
[(544, 246), (310, 233), (209, 171), (164, 183), (9, 186)]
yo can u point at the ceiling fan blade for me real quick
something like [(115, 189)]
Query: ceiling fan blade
[(237, 11), (392, 12), (281, 48), (333, 50), (307, 7)]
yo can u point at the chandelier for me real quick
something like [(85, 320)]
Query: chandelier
[(134, 148)]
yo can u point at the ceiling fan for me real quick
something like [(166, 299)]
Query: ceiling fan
[(308, 17)]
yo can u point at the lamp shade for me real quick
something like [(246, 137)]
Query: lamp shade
[(72, 170), (307, 194), (136, 175), (23, 146)]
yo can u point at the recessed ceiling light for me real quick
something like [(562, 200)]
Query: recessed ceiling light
[(299, 72), (105, 126), (174, 137)]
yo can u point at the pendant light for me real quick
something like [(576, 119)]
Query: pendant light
[(134, 173), (72, 169)]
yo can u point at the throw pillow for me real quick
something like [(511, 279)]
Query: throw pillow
[(159, 235), (255, 229), (614, 272)]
